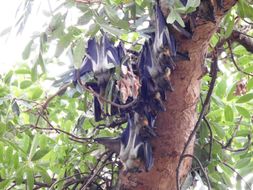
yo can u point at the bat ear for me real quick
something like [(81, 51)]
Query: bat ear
[(148, 156), (112, 144)]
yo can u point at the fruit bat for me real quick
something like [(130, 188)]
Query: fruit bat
[(130, 146), (206, 11), (163, 41), (101, 57)]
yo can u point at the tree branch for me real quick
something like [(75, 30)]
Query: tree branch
[(233, 135), (50, 98), (234, 62), (243, 39), (95, 172), (236, 150)]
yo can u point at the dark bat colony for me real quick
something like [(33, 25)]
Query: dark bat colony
[(148, 75)]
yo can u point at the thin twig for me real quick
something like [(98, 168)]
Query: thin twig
[(201, 168), (230, 167), (234, 133), (89, 1), (97, 95), (95, 173), (242, 149), (49, 99), (59, 130), (64, 179), (214, 71), (250, 23), (234, 62), (235, 150), (211, 139)]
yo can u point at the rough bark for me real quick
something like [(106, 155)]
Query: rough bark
[(175, 125)]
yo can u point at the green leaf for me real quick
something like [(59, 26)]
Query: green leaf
[(179, 20), (27, 50), (34, 73), (241, 163), (92, 30), (246, 59), (239, 50), (215, 115), (8, 155), (5, 183), (244, 112), (29, 178), (219, 130), (228, 113), (86, 17), (112, 30), (15, 160), (250, 84), (249, 69), (245, 10), (8, 76), (35, 93), (245, 98), (66, 40), (20, 175), (41, 63), (229, 25), (34, 146), (25, 84), (171, 17), (231, 95), (192, 3), (221, 88), (24, 69), (1, 151), (116, 21), (40, 153), (15, 146), (218, 101), (78, 52), (46, 178), (246, 170)]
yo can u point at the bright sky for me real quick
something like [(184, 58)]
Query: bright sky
[(8, 48), (13, 43)]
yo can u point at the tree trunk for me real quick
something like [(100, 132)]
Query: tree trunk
[(175, 125)]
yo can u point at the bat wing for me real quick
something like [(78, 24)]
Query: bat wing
[(148, 156), (162, 36), (112, 144)]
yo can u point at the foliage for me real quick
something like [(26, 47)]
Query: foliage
[(49, 142)]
